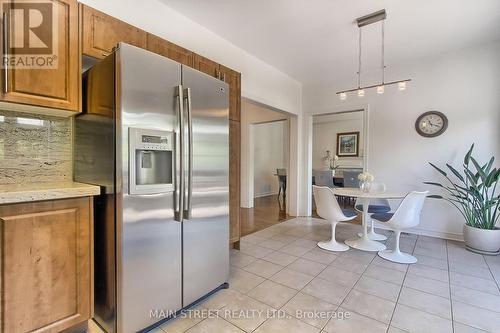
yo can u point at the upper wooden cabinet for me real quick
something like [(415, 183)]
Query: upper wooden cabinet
[(233, 79), (170, 50), (46, 270), (101, 33), (57, 87), (207, 66)]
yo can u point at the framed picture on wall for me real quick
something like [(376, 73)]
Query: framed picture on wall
[(348, 144)]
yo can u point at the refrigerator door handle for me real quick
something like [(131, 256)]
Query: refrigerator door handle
[(179, 151), (189, 192)]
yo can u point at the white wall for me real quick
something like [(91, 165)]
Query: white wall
[(269, 154), (260, 81), (465, 85), (325, 130), (252, 113)]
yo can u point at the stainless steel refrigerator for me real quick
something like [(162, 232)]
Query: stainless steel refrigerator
[(154, 135)]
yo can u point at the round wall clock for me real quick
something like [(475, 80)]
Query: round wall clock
[(431, 124)]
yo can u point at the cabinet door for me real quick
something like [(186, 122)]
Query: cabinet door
[(206, 66), (170, 50), (233, 78), (101, 33), (234, 181), (100, 87), (57, 87), (46, 265)]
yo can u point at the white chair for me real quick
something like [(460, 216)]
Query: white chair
[(407, 215), (328, 208), (376, 206)]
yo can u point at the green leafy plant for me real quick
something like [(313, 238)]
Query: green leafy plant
[(472, 192)]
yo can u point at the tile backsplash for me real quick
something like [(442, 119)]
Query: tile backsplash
[(34, 149)]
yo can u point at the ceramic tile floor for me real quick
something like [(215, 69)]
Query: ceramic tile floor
[(282, 275)]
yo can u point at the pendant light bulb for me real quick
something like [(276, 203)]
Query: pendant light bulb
[(402, 85), (343, 96), (361, 92), (380, 89)]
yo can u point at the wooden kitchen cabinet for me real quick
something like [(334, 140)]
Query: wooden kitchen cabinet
[(234, 181), (170, 50), (46, 271), (233, 79), (206, 66), (101, 33), (57, 87)]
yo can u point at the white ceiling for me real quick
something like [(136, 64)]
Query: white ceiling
[(316, 41)]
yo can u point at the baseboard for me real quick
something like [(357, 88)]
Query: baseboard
[(423, 232), (427, 232)]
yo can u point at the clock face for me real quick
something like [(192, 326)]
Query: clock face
[(431, 124)]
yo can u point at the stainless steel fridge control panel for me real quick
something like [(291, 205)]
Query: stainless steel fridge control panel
[(151, 156)]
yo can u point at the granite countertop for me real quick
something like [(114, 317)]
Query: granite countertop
[(15, 193)]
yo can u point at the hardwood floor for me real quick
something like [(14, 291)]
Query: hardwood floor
[(267, 211)]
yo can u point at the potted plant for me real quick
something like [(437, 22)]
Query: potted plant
[(329, 162), (333, 165), (474, 193)]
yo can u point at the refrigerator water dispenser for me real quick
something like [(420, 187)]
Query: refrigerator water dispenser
[(151, 161)]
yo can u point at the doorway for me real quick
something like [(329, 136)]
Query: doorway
[(265, 147), (339, 152)]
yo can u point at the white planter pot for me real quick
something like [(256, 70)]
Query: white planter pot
[(482, 240)]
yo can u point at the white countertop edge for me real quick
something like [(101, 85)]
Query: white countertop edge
[(64, 191)]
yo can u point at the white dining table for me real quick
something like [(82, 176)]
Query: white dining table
[(364, 243)]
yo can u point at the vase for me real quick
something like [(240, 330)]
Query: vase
[(482, 241), (365, 186)]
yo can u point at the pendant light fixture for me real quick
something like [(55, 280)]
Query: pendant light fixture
[(381, 15)]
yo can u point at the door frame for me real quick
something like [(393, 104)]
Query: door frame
[(309, 145), (251, 155), (294, 160)]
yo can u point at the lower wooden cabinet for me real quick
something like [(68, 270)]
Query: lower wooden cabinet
[(46, 258), (234, 181)]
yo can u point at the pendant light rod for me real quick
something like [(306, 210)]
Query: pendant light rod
[(359, 60), (372, 86), (383, 52), (371, 18)]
